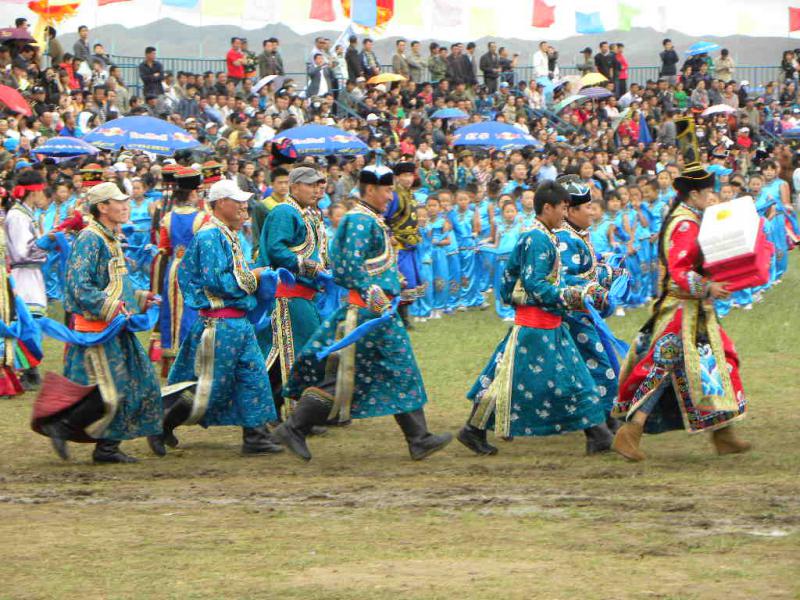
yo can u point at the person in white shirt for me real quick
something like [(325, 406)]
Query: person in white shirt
[(540, 61)]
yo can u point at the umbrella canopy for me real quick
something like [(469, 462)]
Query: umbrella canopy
[(14, 101), (141, 133), (596, 93), (719, 108), (275, 80), (65, 146), (385, 78), (493, 134), (625, 114), (702, 48), (322, 140), (567, 101), (15, 34), (449, 113), (592, 79)]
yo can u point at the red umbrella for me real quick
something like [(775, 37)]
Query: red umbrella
[(8, 34), (14, 101)]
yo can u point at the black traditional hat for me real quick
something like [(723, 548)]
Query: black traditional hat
[(188, 179), (693, 176), (405, 167), (579, 192), (376, 175)]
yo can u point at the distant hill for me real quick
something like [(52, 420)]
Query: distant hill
[(174, 39)]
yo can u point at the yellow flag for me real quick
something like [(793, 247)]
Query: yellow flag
[(482, 22), (295, 11), (408, 12), (745, 23), (222, 8)]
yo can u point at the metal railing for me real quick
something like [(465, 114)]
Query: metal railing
[(757, 76)]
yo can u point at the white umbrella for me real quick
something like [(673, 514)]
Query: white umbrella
[(718, 108), (262, 82)]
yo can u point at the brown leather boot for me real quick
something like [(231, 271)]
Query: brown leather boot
[(626, 441), (726, 442)]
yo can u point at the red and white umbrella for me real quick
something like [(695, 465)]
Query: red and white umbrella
[(13, 101), (719, 109)]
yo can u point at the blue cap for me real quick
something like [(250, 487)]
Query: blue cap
[(22, 164), (11, 144)]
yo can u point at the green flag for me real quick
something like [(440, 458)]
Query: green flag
[(626, 15)]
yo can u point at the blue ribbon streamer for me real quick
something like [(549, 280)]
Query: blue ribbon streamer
[(265, 296), (60, 244), (135, 323), (613, 346), (25, 328), (360, 332)]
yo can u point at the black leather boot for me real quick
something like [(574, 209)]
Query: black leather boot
[(613, 424), (475, 438), (58, 432), (257, 440), (421, 442), (598, 439), (312, 409), (107, 451)]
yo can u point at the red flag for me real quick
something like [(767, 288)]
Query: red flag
[(322, 10), (794, 19), (543, 14)]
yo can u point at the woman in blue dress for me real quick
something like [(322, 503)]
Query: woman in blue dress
[(778, 195), (507, 234), (137, 232), (487, 214), (465, 221), (453, 259), (639, 215), (422, 309), (438, 226)]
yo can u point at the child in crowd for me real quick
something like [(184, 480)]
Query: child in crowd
[(451, 251), (422, 308)]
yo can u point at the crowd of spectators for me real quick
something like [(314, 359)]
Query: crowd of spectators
[(629, 134)]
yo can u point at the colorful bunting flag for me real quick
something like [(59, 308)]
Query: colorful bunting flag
[(448, 13), (408, 12), (626, 15), (180, 3), (543, 14), (364, 13), (794, 19), (263, 11), (482, 22), (104, 2), (588, 22), (222, 8), (322, 10)]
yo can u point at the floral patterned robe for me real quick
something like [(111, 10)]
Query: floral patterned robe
[(378, 375), (536, 382), (682, 355), (221, 354)]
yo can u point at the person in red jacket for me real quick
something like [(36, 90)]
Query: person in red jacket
[(235, 60), (622, 77)]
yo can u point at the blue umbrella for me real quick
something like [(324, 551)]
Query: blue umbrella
[(595, 93), (141, 133), (65, 146), (702, 48), (322, 140), (494, 134), (449, 113)]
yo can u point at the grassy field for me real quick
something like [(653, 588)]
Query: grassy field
[(540, 520)]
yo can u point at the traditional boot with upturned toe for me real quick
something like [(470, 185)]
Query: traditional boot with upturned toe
[(475, 439), (107, 451), (312, 409), (421, 442), (626, 442), (726, 441), (598, 439)]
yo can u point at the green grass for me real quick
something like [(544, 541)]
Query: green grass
[(540, 520)]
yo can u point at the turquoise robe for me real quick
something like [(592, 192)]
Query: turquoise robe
[(535, 383), (53, 270), (385, 378), (484, 259), (579, 267), (221, 354), (439, 266), (289, 235), (97, 282), (471, 295)]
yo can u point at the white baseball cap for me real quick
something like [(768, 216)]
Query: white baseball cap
[(227, 188)]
